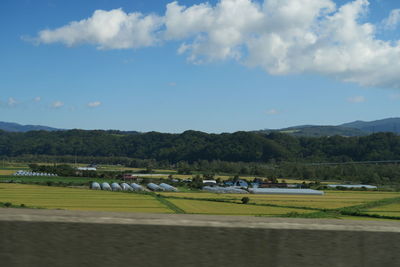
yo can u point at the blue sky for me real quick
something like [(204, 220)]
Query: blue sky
[(195, 68)]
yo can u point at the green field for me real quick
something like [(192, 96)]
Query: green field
[(386, 210), (334, 204), (7, 172), (79, 199), (331, 199)]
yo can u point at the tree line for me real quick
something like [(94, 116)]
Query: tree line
[(192, 146)]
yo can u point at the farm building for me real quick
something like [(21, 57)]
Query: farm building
[(273, 185), (228, 183), (154, 187), (224, 190), (209, 182), (126, 187), (116, 187), (168, 187), (241, 183), (106, 186), (29, 173), (95, 186), (137, 187), (128, 176), (86, 169)]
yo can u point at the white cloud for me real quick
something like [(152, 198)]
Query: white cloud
[(393, 20), (12, 102), (356, 99), (281, 36), (94, 104), (172, 84), (272, 112), (37, 99), (112, 29), (219, 32), (57, 104)]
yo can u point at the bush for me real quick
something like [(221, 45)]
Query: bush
[(8, 204), (245, 200)]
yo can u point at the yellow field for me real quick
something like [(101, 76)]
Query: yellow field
[(78, 199), (85, 199), (7, 172), (331, 200), (208, 207), (387, 210)]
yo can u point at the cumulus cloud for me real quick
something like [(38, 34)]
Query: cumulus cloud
[(393, 20), (281, 36), (356, 99), (94, 104), (57, 104), (37, 99), (112, 29)]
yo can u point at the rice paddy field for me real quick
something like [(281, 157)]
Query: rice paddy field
[(386, 210), (222, 208), (7, 172), (52, 197), (331, 199)]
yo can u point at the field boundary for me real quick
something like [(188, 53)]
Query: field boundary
[(359, 210), (168, 204)]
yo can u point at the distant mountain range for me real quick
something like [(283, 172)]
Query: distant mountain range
[(356, 128), (15, 127)]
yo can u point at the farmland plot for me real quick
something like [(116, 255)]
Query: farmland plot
[(209, 207), (79, 199), (387, 210), (331, 199)]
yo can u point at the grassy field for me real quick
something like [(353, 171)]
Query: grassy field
[(331, 199), (7, 172), (387, 210), (79, 199), (334, 204), (209, 207)]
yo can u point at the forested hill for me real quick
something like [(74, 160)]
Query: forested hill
[(15, 127), (192, 146), (385, 125), (356, 128)]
